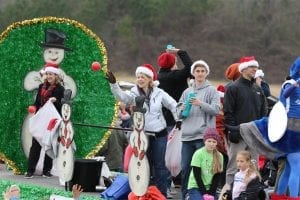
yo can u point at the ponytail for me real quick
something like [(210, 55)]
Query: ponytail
[(217, 163)]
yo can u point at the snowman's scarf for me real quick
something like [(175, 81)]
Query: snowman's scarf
[(253, 138)]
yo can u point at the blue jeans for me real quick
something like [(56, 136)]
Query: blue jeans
[(187, 151), (194, 194), (156, 155)]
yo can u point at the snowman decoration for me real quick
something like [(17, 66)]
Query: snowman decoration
[(139, 170), (66, 146), (54, 51)]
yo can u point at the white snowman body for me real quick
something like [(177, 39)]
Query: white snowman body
[(66, 147), (139, 170)]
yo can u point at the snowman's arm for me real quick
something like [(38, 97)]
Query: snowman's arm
[(132, 139), (144, 144), (32, 80)]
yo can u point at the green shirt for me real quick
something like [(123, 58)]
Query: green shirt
[(203, 159)]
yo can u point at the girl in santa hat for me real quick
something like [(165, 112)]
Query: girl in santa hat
[(51, 90), (155, 99)]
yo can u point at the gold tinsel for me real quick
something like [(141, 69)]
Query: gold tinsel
[(106, 135), (10, 163), (101, 46)]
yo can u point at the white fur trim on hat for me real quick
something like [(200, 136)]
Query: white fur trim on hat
[(221, 94), (245, 65), (144, 70), (199, 62), (53, 70), (259, 73), (156, 83)]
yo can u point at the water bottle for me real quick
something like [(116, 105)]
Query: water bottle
[(170, 46), (188, 105)]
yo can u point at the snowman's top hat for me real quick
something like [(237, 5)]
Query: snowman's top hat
[(55, 39)]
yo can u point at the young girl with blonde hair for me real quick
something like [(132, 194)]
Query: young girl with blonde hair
[(246, 183)]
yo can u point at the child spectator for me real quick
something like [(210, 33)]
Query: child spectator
[(13, 192), (114, 148), (124, 116), (246, 183), (207, 165)]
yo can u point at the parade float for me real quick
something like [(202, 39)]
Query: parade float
[(84, 67)]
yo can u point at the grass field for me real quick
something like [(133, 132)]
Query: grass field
[(275, 88)]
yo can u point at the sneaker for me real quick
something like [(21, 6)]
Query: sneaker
[(47, 175), (28, 175), (169, 195)]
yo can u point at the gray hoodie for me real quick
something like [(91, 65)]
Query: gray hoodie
[(154, 119), (200, 117)]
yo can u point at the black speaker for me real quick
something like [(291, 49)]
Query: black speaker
[(86, 173)]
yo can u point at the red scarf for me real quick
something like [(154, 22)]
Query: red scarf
[(46, 92)]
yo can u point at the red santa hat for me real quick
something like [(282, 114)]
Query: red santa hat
[(221, 90), (246, 62), (148, 70), (50, 67), (166, 60), (199, 62)]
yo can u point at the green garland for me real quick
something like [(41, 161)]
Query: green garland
[(39, 193), (94, 103)]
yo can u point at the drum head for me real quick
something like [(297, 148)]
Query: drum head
[(277, 122)]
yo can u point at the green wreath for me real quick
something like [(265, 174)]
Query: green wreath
[(21, 53)]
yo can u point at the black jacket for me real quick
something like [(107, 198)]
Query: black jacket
[(174, 82), (244, 101), (58, 93), (254, 191)]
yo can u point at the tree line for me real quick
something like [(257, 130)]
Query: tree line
[(217, 31)]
